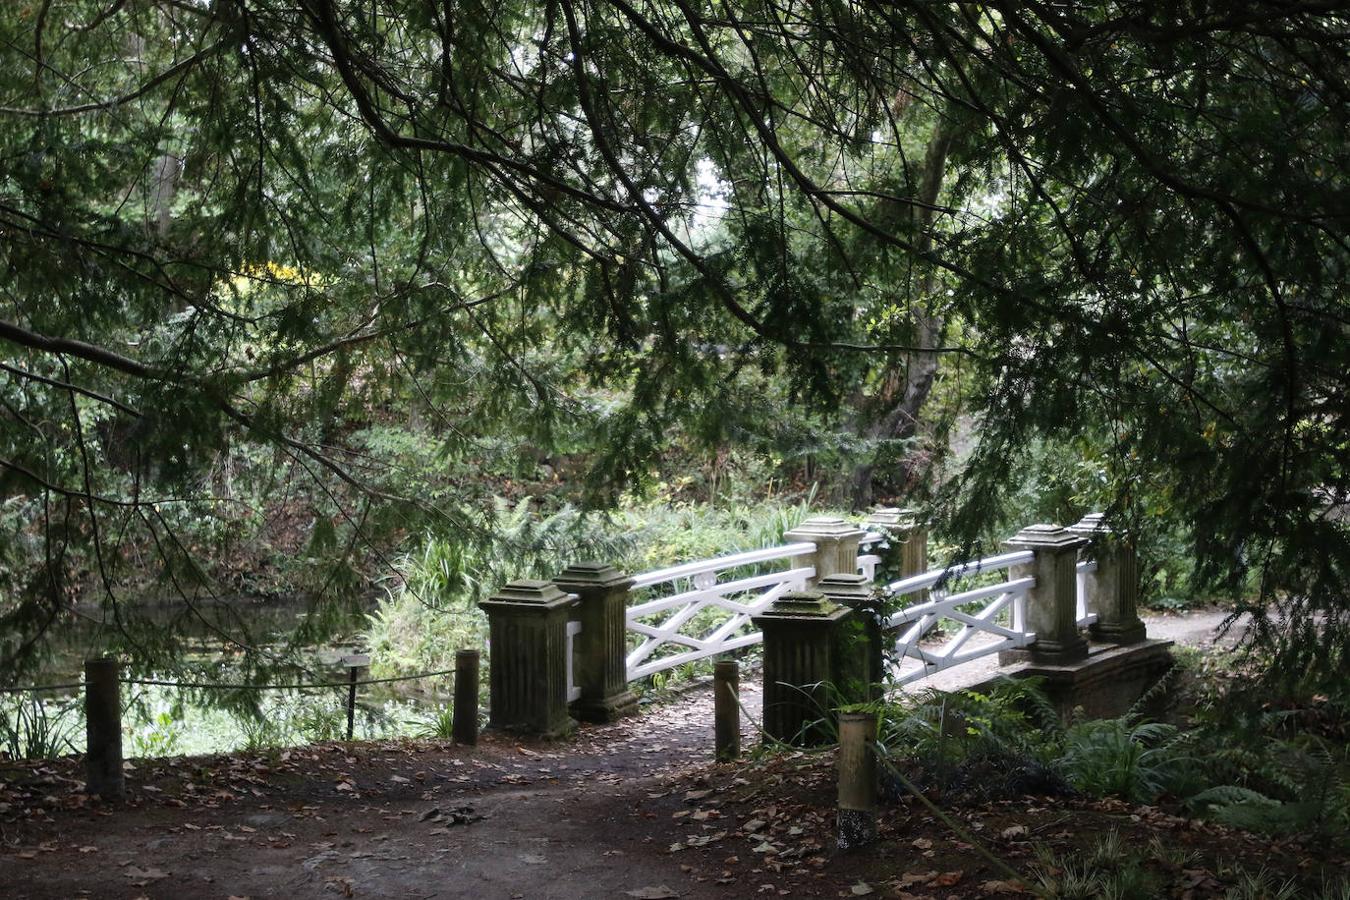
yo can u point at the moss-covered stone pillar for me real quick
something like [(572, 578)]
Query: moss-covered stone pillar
[(1052, 603), (1113, 590), (803, 634), (527, 657), (836, 545), (862, 664), (600, 662)]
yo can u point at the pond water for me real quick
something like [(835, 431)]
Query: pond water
[(163, 720)]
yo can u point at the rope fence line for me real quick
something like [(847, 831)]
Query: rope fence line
[(41, 688), (219, 686)]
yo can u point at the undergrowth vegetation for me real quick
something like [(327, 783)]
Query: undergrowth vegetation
[(1231, 760)]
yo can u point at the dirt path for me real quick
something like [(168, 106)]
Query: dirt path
[(592, 817)]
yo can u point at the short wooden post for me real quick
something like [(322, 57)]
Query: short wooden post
[(1052, 604), (465, 725), (836, 546), (600, 652), (802, 654), (1113, 590), (857, 765), (527, 662), (726, 709), (354, 664), (103, 728)]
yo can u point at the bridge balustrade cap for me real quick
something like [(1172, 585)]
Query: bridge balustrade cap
[(893, 517), (1046, 536), (592, 574), (1091, 525), (803, 605), (528, 593), (824, 528), (845, 587)]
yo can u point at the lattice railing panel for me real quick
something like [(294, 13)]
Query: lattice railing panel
[(696, 614), (997, 623)]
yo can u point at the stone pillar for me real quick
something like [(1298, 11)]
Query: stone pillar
[(600, 664), (1052, 605), (836, 545), (863, 665), (909, 539), (1113, 590), (802, 637), (527, 657)]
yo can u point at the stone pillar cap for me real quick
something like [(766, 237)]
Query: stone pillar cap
[(824, 528), (893, 517), (1092, 524), (845, 587), (528, 593), (1049, 537), (804, 605), (592, 574)]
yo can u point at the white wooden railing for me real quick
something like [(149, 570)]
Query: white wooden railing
[(1085, 616), (573, 690), (999, 625), (694, 615), (867, 561)]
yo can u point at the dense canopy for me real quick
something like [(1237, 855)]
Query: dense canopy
[(1121, 228)]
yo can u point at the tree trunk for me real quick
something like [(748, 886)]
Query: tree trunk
[(905, 391)]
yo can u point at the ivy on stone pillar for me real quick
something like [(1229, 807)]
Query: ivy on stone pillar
[(803, 634), (836, 545), (908, 536), (1052, 603), (601, 649), (1113, 590), (527, 657), (862, 671)]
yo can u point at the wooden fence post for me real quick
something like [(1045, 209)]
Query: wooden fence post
[(103, 728), (857, 822), (354, 664), (726, 709), (465, 724)]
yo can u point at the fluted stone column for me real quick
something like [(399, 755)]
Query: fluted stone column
[(527, 657), (836, 545), (908, 536), (1113, 590), (802, 637), (862, 664), (1052, 605), (600, 663)]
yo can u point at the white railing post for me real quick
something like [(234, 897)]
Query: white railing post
[(836, 546), (1111, 592), (1052, 601)]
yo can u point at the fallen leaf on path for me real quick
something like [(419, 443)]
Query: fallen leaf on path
[(1003, 887), (660, 892), (151, 874), (861, 889)]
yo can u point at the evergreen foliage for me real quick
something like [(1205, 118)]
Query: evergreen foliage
[(563, 226)]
